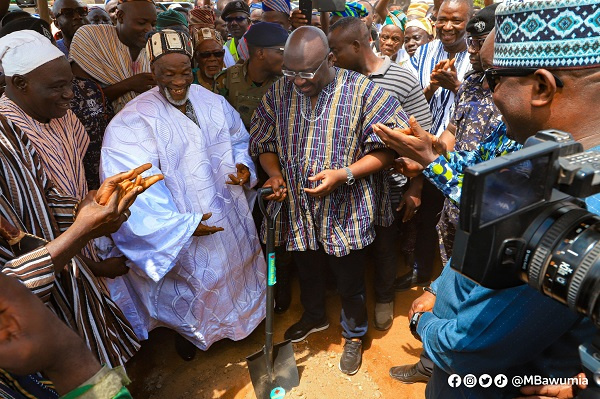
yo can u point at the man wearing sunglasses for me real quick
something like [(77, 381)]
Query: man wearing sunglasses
[(541, 79), (69, 15), (237, 16), (312, 133)]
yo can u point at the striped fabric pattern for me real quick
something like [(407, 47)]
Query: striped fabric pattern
[(442, 102), (340, 135), (98, 50), (61, 145), (30, 201)]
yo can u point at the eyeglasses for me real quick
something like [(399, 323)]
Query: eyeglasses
[(236, 19), (276, 48), (207, 54), (303, 75), (394, 39), (493, 74), (476, 43), (70, 12)]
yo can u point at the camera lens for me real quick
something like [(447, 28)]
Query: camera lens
[(563, 257)]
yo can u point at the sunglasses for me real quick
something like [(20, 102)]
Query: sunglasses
[(303, 75), (236, 19), (492, 75), (207, 54), (476, 43), (70, 12)]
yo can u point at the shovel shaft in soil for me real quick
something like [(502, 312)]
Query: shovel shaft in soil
[(273, 370)]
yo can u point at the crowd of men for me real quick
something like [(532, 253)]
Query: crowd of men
[(132, 138)]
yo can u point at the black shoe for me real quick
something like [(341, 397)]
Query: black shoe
[(351, 358), (408, 374), (408, 281), (185, 349), (302, 329)]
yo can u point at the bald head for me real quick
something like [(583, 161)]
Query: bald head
[(307, 52), (468, 3), (350, 29), (305, 44)]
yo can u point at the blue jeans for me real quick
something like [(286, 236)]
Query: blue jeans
[(349, 272)]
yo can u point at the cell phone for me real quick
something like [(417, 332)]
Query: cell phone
[(306, 7)]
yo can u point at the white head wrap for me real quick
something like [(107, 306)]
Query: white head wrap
[(23, 51)]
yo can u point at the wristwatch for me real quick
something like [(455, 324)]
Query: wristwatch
[(414, 321), (350, 180)]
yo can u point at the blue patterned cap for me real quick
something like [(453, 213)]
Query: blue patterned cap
[(548, 34)]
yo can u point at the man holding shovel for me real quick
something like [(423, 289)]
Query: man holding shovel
[(312, 133)]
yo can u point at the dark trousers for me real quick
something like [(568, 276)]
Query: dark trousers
[(427, 243), (386, 251), (425, 365), (349, 273)]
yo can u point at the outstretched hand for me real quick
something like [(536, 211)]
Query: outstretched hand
[(330, 180), (416, 144), (242, 177), (128, 181), (205, 230)]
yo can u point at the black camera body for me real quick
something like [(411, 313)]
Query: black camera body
[(521, 221)]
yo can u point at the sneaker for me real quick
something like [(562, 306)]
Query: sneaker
[(352, 357), (384, 316), (302, 329), (408, 281)]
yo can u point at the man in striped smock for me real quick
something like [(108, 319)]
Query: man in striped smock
[(441, 64), (312, 133), (37, 100), (115, 56)]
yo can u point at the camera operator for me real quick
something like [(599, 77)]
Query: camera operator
[(542, 78)]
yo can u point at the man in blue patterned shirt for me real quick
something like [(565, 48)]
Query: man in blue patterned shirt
[(515, 331)]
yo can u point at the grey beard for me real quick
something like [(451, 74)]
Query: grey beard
[(174, 102)]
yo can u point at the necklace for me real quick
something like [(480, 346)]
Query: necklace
[(305, 103)]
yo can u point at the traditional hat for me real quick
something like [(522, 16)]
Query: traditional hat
[(548, 34), (266, 34), (277, 5), (30, 23), (483, 21), (352, 9), (417, 10), (169, 18), (203, 16), (422, 23), (147, 1), (202, 34), (166, 42), (396, 18), (235, 6), (25, 50)]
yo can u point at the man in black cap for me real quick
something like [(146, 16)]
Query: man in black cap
[(244, 85), (237, 16)]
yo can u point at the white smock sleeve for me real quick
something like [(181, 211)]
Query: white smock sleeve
[(156, 233)]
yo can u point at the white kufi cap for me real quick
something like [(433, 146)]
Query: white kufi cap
[(23, 51)]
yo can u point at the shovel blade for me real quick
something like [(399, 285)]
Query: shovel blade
[(285, 371)]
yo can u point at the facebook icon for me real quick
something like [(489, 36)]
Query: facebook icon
[(454, 380)]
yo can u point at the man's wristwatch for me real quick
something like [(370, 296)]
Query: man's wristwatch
[(414, 321), (350, 180)]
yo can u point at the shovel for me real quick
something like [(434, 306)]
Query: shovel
[(273, 369)]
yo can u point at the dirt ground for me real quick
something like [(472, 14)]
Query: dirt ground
[(221, 372)]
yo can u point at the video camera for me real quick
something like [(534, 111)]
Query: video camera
[(522, 220)]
